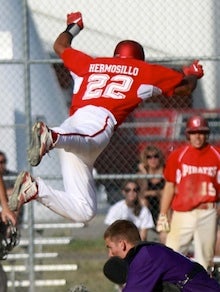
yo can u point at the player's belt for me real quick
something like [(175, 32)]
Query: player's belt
[(206, 206)]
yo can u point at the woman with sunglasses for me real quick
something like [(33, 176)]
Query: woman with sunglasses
[(152, 163), (130, 209)]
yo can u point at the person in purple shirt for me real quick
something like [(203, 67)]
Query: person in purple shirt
[(148, 266)]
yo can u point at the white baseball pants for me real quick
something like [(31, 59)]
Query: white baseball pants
[(82, 138), (197, 225)]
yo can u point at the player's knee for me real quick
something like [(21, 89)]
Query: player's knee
[(90, 214), (86, 214)]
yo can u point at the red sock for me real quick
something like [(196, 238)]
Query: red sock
[(54, 136)]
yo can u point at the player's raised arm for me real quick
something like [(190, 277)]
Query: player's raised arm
[(74, 25), (192, 73)]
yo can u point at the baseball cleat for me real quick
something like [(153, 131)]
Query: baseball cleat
[(41, 143), (25, 190)]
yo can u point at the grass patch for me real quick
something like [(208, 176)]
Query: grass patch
[(90, 256), (88, 245)]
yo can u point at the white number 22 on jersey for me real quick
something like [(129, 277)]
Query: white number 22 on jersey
[(98, 87)]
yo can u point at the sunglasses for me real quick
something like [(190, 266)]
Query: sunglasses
[(127, 190), (152, 156), (2, 161)]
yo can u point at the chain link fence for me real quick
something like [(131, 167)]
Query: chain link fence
[(36, 86)]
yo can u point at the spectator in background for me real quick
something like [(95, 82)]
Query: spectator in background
[(192, 188), (131, 209), (152, 162), (4, 171)]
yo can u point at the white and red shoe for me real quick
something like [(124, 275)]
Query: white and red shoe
[(41, 143), (25, 190)]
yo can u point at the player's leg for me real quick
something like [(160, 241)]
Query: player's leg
[(205, 236), (86, 132), (89, 129), (84, 136), (181, 231), (76, 170), (217, 244), (78, 201)]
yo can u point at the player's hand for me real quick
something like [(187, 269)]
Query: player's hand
[(75, 18), (194, 69), (7, 215), (162, 223)]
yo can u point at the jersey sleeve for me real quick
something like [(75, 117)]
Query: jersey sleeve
[(71, 59), (167, 79), (144, 271), (171, 167)]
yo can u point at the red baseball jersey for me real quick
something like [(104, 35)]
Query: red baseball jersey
[(196, 174), (117, 84)]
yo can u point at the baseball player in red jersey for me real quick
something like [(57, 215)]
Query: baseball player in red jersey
[(192, 188), (106, 90)]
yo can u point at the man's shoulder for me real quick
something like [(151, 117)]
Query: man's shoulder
[(150, 248), (177, 151), (70, 53), (214, 147), (145, 210), (118, 204)]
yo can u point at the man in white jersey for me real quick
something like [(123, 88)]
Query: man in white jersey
[(106, 90)]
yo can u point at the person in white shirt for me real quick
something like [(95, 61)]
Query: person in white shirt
[(130, 209)]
